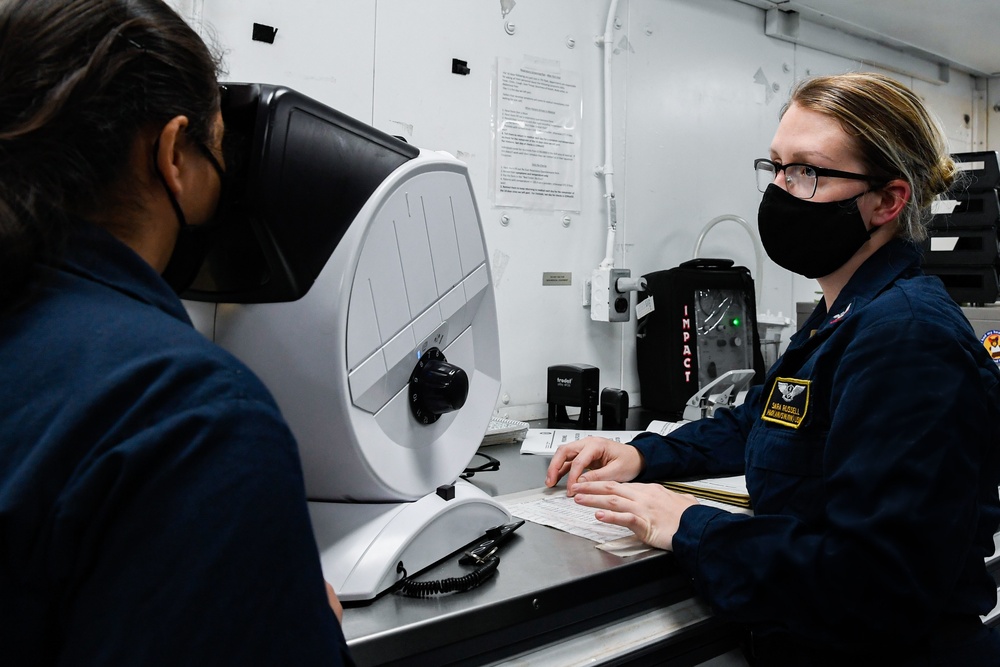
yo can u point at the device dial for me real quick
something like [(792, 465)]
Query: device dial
[(436, 387)]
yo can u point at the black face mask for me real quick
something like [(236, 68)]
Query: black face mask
[(194, 241), (812, 239)]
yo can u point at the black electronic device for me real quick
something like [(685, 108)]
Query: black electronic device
[(299, 172), (957, 247), (481, 554), (494, 538), (962, 247), (573, 385), (970, 285), (614, 409), (695, 322), (980, 170)]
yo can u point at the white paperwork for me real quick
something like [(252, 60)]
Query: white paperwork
[(552, 507), (728, 490), (545, 442)]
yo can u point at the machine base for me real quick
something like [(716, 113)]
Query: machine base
[(362, 545)]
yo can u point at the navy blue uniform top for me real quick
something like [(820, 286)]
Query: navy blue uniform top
[(872, 458), (152, 506)]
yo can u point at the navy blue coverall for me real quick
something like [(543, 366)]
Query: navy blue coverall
[(872, 458), (152, 506)]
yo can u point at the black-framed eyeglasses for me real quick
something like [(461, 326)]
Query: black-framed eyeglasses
[(800, 179)]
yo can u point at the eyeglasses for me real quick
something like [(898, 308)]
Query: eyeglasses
[(800, 179)]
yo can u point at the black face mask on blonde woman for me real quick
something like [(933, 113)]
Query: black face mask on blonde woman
[(812, 239)]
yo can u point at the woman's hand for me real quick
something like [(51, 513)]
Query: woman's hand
[(605, 459), (650, 511), (334, 601)]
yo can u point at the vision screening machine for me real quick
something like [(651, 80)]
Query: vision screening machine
[(352, 278)]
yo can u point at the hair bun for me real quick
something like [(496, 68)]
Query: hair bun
[(940, 178)]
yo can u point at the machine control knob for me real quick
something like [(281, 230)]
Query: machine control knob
[(436, 387)]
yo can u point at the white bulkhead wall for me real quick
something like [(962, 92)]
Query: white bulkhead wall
[(698, 87)]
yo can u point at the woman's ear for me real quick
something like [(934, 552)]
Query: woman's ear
[(169, 156), (892, 198)]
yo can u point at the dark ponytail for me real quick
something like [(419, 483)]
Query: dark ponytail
[(78, 80)]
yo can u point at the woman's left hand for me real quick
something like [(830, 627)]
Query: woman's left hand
[(334, 601), (650, 511)]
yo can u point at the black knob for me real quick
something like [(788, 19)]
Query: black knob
[(436, 387), (443, 387)]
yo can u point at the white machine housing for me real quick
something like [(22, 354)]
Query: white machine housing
[(409, 274)]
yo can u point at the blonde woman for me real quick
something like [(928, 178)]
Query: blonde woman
[(872, 449)]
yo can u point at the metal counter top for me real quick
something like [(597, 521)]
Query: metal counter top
[(550, 586), (555, 600)]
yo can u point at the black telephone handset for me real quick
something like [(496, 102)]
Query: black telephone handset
[(494, 539)]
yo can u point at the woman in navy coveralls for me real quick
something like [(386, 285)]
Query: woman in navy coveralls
[(871, 450), (152, 506)]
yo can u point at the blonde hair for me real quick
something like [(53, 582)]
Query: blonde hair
[(896, 136)]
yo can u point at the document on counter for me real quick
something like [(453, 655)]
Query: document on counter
[(545, 442), (552, 507), (728, 490)]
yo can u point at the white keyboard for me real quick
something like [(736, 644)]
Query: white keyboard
[(502, 430)]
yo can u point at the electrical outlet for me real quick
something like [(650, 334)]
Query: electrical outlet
[(607, 303)]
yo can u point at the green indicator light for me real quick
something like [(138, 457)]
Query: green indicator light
[(735, 321)]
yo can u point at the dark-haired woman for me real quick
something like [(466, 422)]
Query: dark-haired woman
[(152, 508)]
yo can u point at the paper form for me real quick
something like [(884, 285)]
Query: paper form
[(730, 490), (546, 441), (562, 512), (552, 507)]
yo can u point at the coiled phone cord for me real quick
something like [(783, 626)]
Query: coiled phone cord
[(422, 589)]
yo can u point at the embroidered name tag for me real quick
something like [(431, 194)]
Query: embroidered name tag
[(788, 402)]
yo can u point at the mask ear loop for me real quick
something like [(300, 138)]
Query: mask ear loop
[(882, 184), (181, 219), (214, 160)]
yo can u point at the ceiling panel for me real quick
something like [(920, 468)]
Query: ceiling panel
[(962, 33)]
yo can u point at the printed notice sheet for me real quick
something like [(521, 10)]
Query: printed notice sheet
[(537, 139)]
